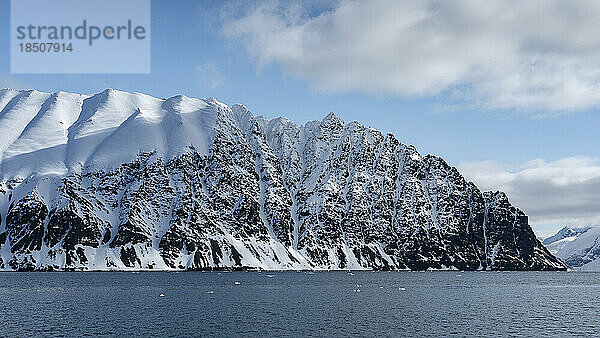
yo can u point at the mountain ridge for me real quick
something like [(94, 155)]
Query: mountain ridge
[(578, 247), (128, 181), (565, 235)]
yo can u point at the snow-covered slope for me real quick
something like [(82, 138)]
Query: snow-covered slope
[(123, 180), (64, 133), (565, 235), (583, 251)]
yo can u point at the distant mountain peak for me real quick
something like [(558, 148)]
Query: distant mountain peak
[(578, 247), (565, 232)]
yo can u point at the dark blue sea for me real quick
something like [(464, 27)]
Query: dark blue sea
[(299, 304)]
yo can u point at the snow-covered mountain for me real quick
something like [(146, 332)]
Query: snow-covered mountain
[(580, 248), (565, 235), (121, 180)]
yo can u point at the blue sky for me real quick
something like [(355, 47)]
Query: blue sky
[(211, 49)]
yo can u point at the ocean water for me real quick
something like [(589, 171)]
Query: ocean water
[(299, 303)]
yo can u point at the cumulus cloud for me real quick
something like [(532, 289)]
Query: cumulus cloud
[(562, 192), (501, 54)]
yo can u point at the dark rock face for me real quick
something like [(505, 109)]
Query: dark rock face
[(269, 194), (25, 224)]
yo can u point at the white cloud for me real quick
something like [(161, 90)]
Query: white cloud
[(562, 192), (209, 75), (527, 55)]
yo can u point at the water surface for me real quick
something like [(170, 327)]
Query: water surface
[(299, 303)]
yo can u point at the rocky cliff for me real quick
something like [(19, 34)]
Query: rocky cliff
[(123, 180)]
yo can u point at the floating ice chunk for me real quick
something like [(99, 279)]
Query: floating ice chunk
[(162, 295), (401, 289), (210, 292), (236, 283)]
